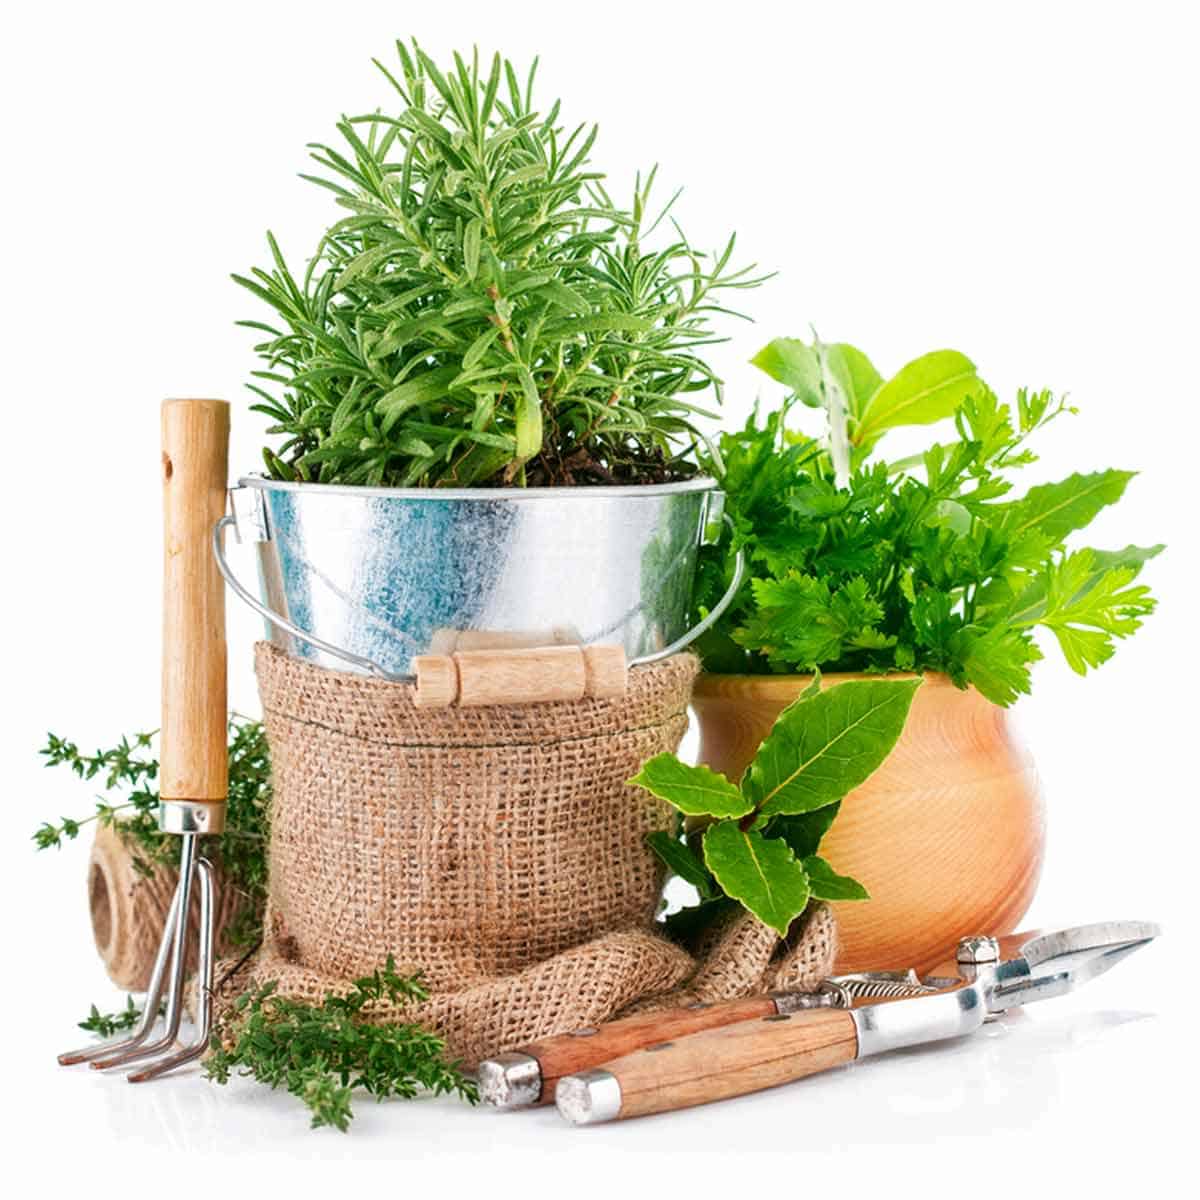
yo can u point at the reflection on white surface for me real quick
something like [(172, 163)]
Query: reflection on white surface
[(1013, 1076)]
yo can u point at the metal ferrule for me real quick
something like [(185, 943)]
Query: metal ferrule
[(510, 1080), (191, 816), (589, 1097), (895, 1024)]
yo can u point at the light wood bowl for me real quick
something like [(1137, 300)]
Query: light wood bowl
[(947, 836)]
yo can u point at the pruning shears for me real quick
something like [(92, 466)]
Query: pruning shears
[(671, 1060)]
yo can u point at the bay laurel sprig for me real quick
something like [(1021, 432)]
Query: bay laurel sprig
[(322, 1053), (755, 841), (484, 312)]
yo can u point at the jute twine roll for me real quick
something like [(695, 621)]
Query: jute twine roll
[(498, 850), (129, 910)]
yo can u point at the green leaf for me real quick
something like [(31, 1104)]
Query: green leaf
[(1030, 604), (762, 873), (798, 366), (1086, 613), (804, 831), (826, 884), (529, 417), (680, 859), (855, 367), (479, 347), (423, 389), (928, 389), (1053, 510), (696, 791), (820, 749), (602, 323), (794, 364), (995, 661), (471, 240), (801, 622)]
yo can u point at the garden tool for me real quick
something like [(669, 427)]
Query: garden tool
[(844, 1021), (193, 772), (519, 1078)]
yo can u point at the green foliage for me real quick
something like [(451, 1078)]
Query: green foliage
[(128, 772), (483, 313), (835, 741), (321, 1054), (925, 563), (761, 850), (104, 1025)]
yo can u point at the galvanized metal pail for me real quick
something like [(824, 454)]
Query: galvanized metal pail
[(368, 578)]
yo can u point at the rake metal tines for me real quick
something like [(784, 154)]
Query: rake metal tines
[(165, 1049)]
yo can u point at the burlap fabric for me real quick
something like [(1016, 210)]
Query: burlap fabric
[(739, 956), (498, 850)]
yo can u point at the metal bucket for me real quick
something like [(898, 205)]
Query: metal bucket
[(368, 578)]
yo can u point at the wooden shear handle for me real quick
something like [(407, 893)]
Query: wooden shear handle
[(571, 1053), (733, 1060)]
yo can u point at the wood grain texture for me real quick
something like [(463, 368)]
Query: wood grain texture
[(948, 835), (526, 675), (733, 1061), (571, 1053), (195, 454)]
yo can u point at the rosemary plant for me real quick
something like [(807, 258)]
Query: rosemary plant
[(484, 313)]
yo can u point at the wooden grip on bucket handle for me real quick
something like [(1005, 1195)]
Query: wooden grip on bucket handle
[(528, 675), (195, 464)]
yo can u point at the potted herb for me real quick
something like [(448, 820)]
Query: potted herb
[(485, 381), (933, 565)]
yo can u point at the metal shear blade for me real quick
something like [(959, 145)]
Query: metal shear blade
[(1053, 964)]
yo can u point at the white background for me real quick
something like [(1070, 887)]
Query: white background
[(1017, 181)]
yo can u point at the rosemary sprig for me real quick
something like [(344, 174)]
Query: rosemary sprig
[(320, 1054)]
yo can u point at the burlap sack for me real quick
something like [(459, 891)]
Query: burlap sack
[(499, 850), (740, 956)]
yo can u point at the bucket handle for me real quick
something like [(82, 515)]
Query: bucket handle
[(372, 667)]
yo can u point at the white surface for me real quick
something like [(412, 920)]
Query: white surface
[(1017, 181)]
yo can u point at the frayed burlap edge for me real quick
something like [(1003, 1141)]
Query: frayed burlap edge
[(582, 986), (740, 956), (617, 975)]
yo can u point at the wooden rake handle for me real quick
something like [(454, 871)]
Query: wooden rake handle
[(195, 464)]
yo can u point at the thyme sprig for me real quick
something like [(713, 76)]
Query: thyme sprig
[(321, 1054), (129, 771), (104, 1025)]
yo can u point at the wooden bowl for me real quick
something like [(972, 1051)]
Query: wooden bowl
[(948, 835)]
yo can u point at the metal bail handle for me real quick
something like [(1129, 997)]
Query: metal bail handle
[(370, 665)]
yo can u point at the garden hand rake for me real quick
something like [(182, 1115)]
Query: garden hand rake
[(193, 776)]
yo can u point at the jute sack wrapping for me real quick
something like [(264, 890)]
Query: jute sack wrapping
[(740, 956), (500, 851)]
